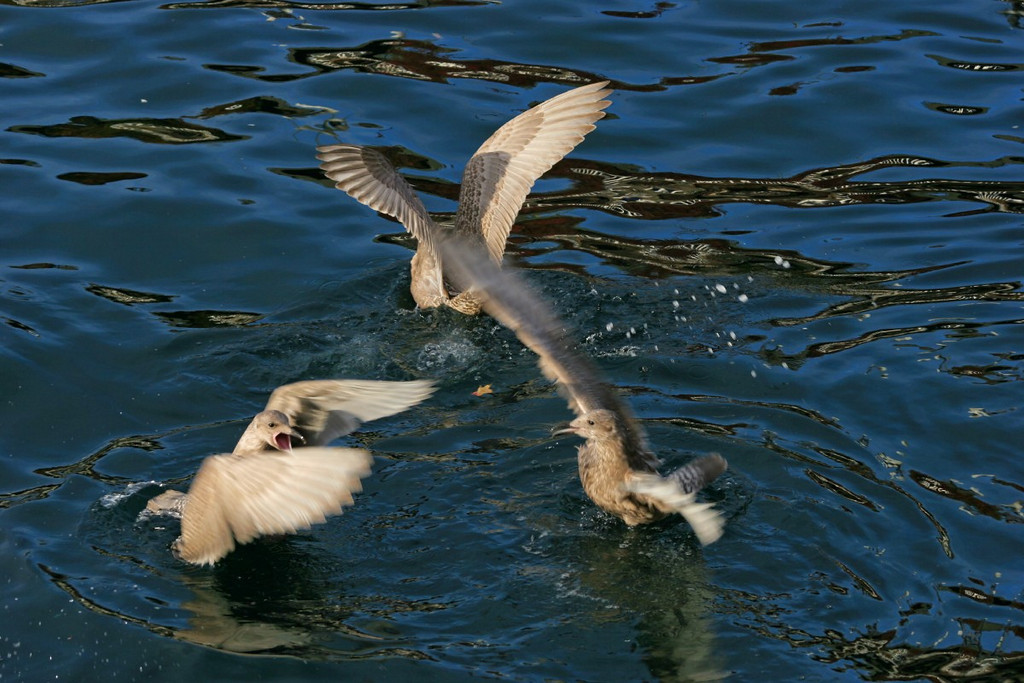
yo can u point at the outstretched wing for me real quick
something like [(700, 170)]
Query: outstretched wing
[(236, 498), (500, 174), (368, 177), (511, 301), (323, 410)]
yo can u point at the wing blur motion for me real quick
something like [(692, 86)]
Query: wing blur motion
[(236, 498), (323, 410), (509, 300)]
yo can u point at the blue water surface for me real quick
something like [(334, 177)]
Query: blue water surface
[(795, 240)]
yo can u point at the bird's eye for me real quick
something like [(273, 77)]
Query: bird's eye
[(590, 422), (271, 424)]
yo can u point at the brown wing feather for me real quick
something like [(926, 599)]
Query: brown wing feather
[(500, 174), (368, 177)]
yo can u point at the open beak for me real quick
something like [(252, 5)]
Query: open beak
[(565, 429), (284, 439)]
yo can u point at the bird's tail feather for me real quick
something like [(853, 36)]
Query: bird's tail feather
[(696, 474), (678, 493)]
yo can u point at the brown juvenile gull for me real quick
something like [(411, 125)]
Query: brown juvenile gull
[(617, 467), (265, 486), (494, 185)]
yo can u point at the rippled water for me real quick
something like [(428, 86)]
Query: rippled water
[(849, 175)]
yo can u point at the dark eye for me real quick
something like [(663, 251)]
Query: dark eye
[(590, 422), (271, 424)]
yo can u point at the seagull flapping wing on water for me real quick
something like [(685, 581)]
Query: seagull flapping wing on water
[(265, 486), (617, 468), (495, 183)]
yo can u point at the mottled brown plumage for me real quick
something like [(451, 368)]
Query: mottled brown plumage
[(617, 468), (265, 486), (495, 183)]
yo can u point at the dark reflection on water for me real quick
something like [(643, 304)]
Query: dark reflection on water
[(87, 465), (426, 61), (186, 319), (261, 105), (976, 66), (660, 196), (158, 131), (659, 8), (634, 193), (99, 178), (128, 297), (44, 266), (57, 3), (757, 54), (881, 656), (19, 162), (200, 319), (972, 500), (326, 6), (14, 71), (263, 4), (670, 600), (12, 498)]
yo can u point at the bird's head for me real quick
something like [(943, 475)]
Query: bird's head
[(596, 424), (273, 428)]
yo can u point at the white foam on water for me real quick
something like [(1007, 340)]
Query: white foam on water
[(454, 352), (114, 498)]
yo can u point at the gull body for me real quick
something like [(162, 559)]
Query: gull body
[(280, 477)]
